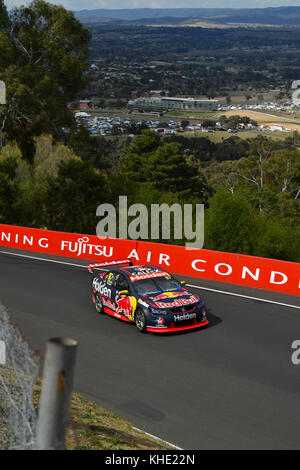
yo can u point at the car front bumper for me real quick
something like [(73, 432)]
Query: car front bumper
[(172, 329)]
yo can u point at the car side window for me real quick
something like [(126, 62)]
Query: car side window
[(121, 282)]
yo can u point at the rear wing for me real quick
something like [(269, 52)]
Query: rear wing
[(91, 267)]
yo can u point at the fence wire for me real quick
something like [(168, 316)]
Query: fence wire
[(18, 374)]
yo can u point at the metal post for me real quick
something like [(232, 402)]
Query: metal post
[(56, 393)]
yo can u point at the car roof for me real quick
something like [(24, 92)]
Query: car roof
[(139, 270)]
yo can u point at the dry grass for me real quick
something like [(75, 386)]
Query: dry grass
[(93, 428), (258, 115), (218, 136)]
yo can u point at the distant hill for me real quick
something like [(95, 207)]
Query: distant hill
[(265, 16)]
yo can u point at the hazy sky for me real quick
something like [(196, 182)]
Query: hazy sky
[(93, 4)]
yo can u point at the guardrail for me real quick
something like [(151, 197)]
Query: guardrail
[(251, 271)]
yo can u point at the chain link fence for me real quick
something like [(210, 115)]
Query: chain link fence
[(18, 374)]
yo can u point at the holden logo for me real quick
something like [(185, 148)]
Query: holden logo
[(185, 316), (182, 309)]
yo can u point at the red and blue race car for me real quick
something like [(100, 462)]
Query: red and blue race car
[(147, 295)]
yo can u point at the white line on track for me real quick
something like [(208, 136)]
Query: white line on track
[(43, 259), (188, 285), (157, 438), (244, 296)]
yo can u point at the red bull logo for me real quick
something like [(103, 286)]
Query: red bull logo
[(170, 295), (178, 302), (123, 305)]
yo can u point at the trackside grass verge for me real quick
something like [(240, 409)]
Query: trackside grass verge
[(93, 428)]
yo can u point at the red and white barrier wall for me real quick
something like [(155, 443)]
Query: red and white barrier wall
[(251, 271)]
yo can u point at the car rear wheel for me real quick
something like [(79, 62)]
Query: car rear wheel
[(140, 321), (98, 304)]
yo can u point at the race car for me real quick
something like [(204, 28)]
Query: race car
[(149, 296)]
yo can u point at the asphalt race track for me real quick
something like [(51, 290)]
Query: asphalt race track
[(229, 386)]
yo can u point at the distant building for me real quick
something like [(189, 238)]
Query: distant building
[(84, 104), (169, 103)]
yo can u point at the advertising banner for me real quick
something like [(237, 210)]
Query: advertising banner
[(251, 271)]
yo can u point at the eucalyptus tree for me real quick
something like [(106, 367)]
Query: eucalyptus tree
[(43, 60)]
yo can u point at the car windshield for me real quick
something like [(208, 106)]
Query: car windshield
[(167, 283), (159, 284), (146, 286)]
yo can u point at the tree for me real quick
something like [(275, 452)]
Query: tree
[(150, 160), (9, 191), (232, 148), (3, 15), (223, 175), (44, 53), (233, 225), (230, 224), (73, 197), (168, 170), (209, 123), (99, 151), (136, 153), (184, 123)]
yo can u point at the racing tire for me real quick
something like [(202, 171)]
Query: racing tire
[(140, 321), (98, 304)]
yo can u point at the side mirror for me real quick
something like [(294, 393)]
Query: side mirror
[(182, 283), (124, 292)]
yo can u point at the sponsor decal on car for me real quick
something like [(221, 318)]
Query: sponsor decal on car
[(140, 301), (184, 316), (148, 276), (99, 286), (125, 305), (177, 302), (170, 295), (108, 303)]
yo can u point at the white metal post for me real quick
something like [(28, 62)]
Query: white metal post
[(56, 393)]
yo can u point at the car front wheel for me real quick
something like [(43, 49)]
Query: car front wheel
[(140, 321), (98, 304)]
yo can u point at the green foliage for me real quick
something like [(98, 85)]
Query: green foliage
[(277, 240), (150, 160), (8, 191), (232, 225), (72, 197), (233, 148), (95, 149), (3, 14), (46, 52)]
